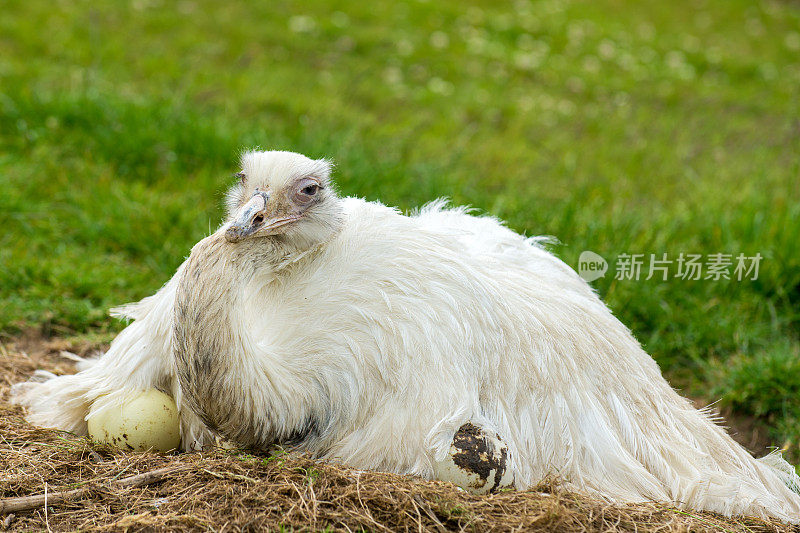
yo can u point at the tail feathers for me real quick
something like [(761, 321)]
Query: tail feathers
[(697, 464), (160, 301), (132, 311), (785, 472), (53, 401), (81, 363), (735, 483)]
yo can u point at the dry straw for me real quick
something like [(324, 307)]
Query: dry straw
[(66, 483)]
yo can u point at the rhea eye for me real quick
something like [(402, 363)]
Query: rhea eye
[(305, 192), (241, 176)]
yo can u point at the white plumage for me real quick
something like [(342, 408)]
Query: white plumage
[(368, 337)]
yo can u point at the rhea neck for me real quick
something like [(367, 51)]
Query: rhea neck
[(221, 381)]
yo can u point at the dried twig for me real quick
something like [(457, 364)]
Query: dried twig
[(25, 503)]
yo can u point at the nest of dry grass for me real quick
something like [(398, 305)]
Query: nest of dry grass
[(228, 490)]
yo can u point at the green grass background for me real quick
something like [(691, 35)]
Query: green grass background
[(618, 127)]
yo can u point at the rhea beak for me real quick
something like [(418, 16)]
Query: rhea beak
[(254, 217)]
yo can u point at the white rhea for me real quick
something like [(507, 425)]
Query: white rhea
[(364, 336)]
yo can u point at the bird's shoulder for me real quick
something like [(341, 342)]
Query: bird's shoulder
[(433, 225), (439, 232)]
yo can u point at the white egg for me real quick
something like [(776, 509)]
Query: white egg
[(477, 461), (147, 422)]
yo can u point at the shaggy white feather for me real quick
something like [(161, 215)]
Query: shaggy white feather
[(397, 330)]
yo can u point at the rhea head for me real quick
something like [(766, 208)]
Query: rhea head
[(284, 197)]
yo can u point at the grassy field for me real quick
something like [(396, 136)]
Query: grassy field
[(618, 127)]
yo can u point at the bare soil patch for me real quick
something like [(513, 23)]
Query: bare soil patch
[(234, 490)]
